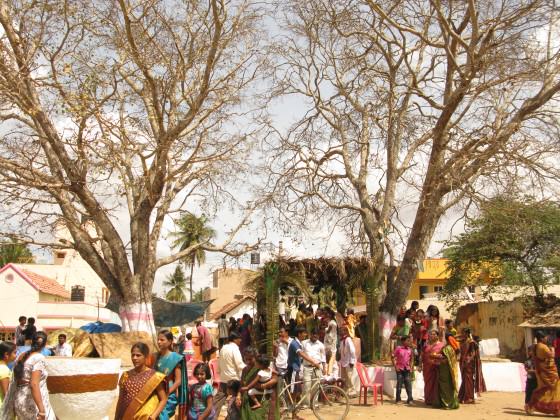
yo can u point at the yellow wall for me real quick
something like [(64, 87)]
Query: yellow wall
[(228, 286), (433, 274)]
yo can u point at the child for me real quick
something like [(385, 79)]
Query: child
[(201, 395), (450, 327), (264, 375), (531, 383), (188, 350), (7, 355), (233, 411), (402, 361)]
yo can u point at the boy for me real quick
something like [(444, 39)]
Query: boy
[(402, 361)]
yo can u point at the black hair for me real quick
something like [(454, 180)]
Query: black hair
[(540, 335), (62, 335), (6, 347), (31, 321), (263, 360), (250, 351), (350, 311), (223, 316), (37, 344), (400, 317), (189, 336), (448, 321), (22, 318), (204, 367), (315, 331), (167, 334), (300, 330), (404, 338), (142, 347), (408, 312), (414, 303), (434, 308), (198, 323), (233, 336), (234, 385)]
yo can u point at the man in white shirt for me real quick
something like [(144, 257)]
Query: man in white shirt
[(331, 333), (281, 351), (63, 349), (347, 362), (230, 365), (315, 350)]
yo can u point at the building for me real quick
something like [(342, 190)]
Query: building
[(430, 280), (237, 309), (26, 292), (228, 285)]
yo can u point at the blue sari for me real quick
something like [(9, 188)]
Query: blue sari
[(166, 365)]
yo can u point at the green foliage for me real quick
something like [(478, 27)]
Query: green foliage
[(12, 251), (197, 297), (512, 242), (177, 284), (192, 230)]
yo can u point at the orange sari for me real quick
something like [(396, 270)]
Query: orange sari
[(546, 398)]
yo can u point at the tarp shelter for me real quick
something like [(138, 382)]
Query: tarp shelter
[(170, 314), (549, 321)]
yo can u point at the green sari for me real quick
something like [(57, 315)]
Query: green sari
[(247, 413), (447, 398)]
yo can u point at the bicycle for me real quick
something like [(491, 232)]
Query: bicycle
[(328, 402)]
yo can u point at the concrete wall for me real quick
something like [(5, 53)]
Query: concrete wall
[(228, 286), (17, 297), (495, 320)]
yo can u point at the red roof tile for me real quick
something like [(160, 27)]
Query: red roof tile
[(46, 284), (227, 308)]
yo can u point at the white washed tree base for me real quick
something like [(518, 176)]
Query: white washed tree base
[(137, 317), (91, 405)]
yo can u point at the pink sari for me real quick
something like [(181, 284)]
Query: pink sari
[(430, 371)]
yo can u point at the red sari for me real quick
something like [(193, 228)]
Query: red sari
[(472, 380), (430, 371)]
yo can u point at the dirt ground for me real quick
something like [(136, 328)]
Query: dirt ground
[(492, 406)]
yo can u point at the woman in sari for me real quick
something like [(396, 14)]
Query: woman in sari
[(430, 367), (173, 366), (142, 393), (248, 374), (28, 396), (546, 398), (471, 369), (448, 373)]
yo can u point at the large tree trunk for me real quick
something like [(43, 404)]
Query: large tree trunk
[(135, 308)]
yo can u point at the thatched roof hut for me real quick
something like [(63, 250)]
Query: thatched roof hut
[(547, 321)]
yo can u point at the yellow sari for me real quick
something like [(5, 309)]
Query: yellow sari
[(546, 398), (137, 394)]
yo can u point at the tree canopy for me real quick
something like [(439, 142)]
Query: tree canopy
[(511, 242), (177, 283), (12, 251)]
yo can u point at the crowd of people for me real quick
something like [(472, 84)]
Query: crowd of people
[(320, 346)]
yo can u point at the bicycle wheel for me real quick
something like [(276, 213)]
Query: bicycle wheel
[(330, 403), (285, 403)]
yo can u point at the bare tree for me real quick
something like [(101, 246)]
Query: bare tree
[(411, 105), (115, 115)]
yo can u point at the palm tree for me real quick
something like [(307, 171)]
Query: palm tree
[(192, 230), (12, 251), (177, 284)]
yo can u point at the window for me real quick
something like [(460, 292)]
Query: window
[(60, 255), (424, 290), (438, 289), (7, 336)]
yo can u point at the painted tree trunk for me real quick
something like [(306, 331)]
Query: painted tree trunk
[(137, 317)]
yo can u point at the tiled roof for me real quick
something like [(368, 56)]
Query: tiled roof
[(230, 306), (45, 284)]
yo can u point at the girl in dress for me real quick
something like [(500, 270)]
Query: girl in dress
[(28, 397), (201, 395), (173, 366)]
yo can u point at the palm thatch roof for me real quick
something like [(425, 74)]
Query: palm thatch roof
[(550, 319), (348, 272)]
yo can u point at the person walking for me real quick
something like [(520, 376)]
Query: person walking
[(430, 366), (205, 341), (472, 380), (230, 366), (347, 362)]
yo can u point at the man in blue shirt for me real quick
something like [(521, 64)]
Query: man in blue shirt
[(295, 357)]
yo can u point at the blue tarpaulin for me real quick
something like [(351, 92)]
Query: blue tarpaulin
[(100, 327)]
